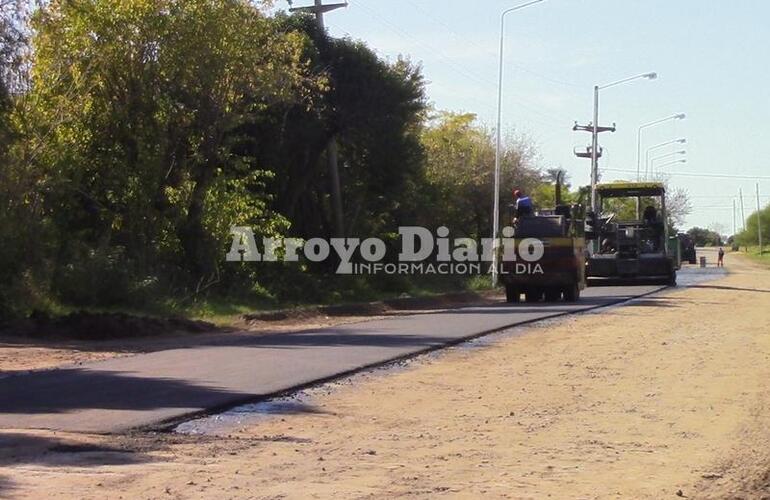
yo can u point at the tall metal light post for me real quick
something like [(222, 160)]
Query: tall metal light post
[(663, 157), (671, 163), (499, 139), (595, 132), (655, 148), (677, 116)]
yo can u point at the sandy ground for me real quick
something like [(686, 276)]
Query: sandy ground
[(668, 397)]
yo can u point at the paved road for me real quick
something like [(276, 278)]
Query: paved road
[(148, 389)]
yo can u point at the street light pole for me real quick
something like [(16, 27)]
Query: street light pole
[(499, 139), (669, 164), (677, 116), (663, 157), (595, 151), (653, 148)]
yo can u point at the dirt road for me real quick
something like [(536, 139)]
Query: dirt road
[(670, 395)]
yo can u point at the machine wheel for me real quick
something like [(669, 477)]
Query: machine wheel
[(572, 293), (512, 294), (533, 296), (552, 295)]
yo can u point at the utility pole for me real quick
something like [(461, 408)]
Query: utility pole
[(743, 213), (759, 220), (596, 130), (319, 9), (332, 150), (735, 227), (594, 151)]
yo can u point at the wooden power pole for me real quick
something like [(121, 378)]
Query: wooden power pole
[(332, 151), (759, 220)]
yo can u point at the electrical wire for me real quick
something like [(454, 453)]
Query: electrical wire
[(691, 174), (550, 119), (470, 41)]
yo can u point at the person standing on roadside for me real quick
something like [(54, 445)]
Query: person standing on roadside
[(721, 260)]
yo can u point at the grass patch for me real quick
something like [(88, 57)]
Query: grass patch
[(225, 310), (753, 254)]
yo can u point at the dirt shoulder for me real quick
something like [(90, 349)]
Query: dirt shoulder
[(668, 395)]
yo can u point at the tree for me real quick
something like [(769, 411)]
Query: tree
[(460, 157), (678, 206), (135, 133), (705, 237), (375, 109), (136, 108), (750, 236), (21, 230)]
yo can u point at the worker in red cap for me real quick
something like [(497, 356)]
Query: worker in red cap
[(523, 204)]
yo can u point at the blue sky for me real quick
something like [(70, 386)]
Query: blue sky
[(711, 57)]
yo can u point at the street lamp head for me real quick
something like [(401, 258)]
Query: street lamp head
[(520, 6), (651, 76), (682, 141), (680, 116)]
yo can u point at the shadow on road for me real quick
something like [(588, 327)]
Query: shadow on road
[(59, 391), (336, 337), (69, 389), (331, 336)]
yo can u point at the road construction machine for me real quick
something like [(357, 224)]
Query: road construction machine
[(630, 235), (560, 272)]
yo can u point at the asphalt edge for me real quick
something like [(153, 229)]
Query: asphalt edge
[(168, 425)]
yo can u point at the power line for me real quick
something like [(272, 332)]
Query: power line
[(460, 69), (437, 52), (729, 196), (486, 50), (686, 174)]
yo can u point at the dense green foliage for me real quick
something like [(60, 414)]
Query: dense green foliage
[(750, 236), (135, 133), (705, 237), (460, 155)]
